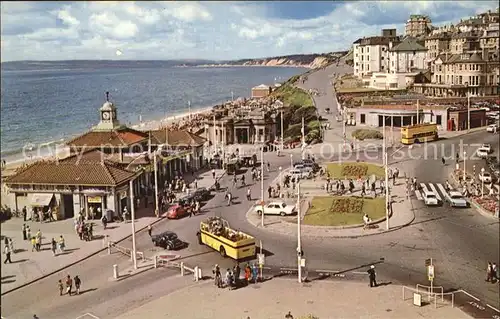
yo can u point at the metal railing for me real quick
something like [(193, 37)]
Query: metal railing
[(196, 271), (431, 290), (430, 294), (126, 251)]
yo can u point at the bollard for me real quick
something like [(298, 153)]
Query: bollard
[(182, 268), (195, 273), (115, 271), (104, 242), (155, 259), (199, 273), (109, 248)]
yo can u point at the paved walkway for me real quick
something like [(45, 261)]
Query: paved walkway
[(275, 298), (28, 266), (403, 214)]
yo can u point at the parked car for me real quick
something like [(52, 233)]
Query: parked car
[(304, 168), (430, 198), (487, 147), (201, 194), (168, 240), (276, 208), (299, 174), (177, 211), (455, 199), (482, 152), (493, 128), (485, 177)]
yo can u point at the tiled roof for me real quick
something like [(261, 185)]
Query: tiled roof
[(86, 172), (461, 58), (120, 137), (411, 106), (409, 44), (177, 138), (378, 40), (465, 35)]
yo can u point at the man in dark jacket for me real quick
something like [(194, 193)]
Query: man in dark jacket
[(372, 275)]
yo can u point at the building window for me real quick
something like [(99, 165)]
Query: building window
[(382, 58), (438, 119), (411, 64), (362, 118)]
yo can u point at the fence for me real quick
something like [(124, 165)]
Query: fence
[(126, 251), (196, 271)]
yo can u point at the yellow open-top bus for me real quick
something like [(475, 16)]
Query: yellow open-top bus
[(419, 133)]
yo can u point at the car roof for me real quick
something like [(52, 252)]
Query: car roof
[(279, 203), (455, 193)]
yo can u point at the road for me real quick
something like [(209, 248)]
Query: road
[(437, 232)]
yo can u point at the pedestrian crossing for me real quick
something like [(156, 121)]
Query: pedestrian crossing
[(438, 189)]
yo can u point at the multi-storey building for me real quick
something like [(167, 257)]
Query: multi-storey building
[(417, 25), (435, 44), (407, 56), (464, 42), (371, 54)]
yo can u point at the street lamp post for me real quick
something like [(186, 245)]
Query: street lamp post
[(482, 182), (299, 244), (132, 217), (281, 130), (468, 106), (291, 161), (281, 178), (465, 173), (157, 206), (262, 183)]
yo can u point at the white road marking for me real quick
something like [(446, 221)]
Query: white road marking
[(87, 315), (433, 188), (442, 189), (419, 196), (424, 187), (359, 272)]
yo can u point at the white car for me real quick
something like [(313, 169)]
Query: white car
[(485, 177), (299, 174), (482, 152), (303, 168), (487, 147), (430, 198), (493, 128), (455, 199), (276, 208)]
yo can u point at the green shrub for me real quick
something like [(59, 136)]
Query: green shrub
[(367, 134)]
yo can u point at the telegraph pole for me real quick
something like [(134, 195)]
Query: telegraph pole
[(157, 206), (262, 183), (303, 130), (387, 202), (132, 211), (299, 244)]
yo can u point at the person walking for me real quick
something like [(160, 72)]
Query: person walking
[(62, 244), (69, 285), (53, 245), (33, 244), (489, 270), (494, 270), (249, 194), (25, 213), (61, 287), (11, 246), (150, 230), (373, 276), (28, 232), (38, 244), (78, 283), (236, 272), (24, 232), (213, 173), (7, 253)]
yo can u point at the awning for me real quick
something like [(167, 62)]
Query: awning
[(41, 199)]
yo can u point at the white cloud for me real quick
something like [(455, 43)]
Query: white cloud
[(211, 30)]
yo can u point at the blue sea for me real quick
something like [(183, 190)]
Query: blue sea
[(48, 102)]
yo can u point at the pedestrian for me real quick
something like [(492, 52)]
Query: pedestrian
[(443, 161), (248, 273), (69, 285), (213, 173), (60, 286), (249, 194), (62, 244), (7, 253), (228, 278), (24, 232), (53, 245), (268, 166), (25, 213), (33, 244), (197, 207), (373, 276), (269, 191), (494, 270), (11, 246), (255, 273), (150, 230), (236, 273), (363, 190), (38, 244), (28, 232), (78, 283), (489, 271)]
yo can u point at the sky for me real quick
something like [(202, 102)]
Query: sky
[(216, 30)]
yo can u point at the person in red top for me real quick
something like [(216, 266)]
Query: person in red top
[(69, 285)]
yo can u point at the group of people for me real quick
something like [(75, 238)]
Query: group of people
[(492, 273), (339, 187), (69, 285), (232, 278), (84, 230)]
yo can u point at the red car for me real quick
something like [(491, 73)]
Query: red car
[(177, 211)]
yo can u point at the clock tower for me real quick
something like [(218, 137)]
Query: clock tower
[(108, 120)]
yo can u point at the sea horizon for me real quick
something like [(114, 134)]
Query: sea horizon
[(37, 99)]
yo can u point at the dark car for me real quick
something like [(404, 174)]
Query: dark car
[(167, 240), (201, 194)]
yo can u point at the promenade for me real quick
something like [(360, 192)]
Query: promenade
[(275, 298), (28, 266)]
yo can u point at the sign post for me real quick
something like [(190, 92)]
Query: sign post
[(430, 274)]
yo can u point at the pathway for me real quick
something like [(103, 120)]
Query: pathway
[(277, 297)]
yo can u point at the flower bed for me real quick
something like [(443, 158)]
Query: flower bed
[(487, 203), (354, 170), (348, 206)]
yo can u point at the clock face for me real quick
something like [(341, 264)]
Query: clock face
[(105, 115)]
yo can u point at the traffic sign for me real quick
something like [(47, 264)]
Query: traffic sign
[(261, 258), (430, 272)]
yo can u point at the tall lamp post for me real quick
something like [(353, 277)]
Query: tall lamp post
[(157, 205), (132, 217), (291, 161), (468, 106), (282, 130), (465, 172), (262, 183), (482, 182), (299, 244)]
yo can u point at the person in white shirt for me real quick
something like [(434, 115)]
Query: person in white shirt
[(366, 221)]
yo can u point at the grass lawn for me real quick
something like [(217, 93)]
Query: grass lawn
[(354, 170), (291, 95), (343, 211)]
